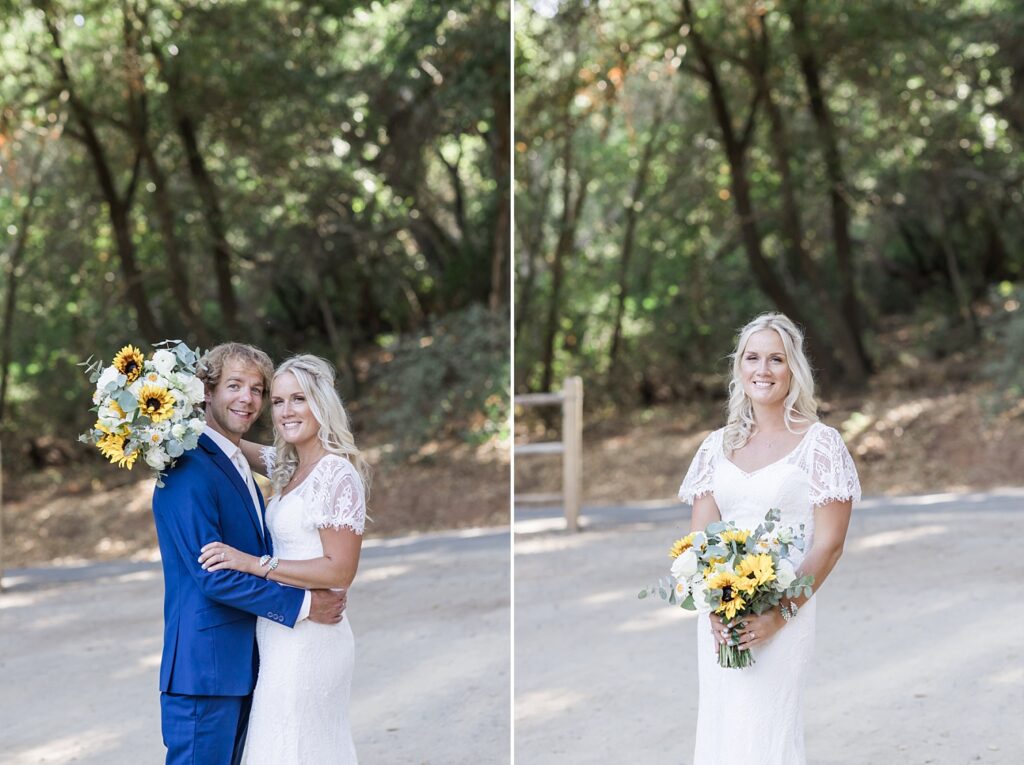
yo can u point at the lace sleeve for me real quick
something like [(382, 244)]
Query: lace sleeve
[(833, 474), (268, 456), (698, 478), (338, 499)]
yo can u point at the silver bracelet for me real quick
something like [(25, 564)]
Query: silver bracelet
[(264, 560), (789, 613), (271, 564)]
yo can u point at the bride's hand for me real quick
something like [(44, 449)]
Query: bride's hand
[(718, 627), (217, 555), (753, 630)]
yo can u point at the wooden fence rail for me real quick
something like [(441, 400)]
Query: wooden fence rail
[(570, 447)]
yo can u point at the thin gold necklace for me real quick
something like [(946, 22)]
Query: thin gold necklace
[(304, 473)]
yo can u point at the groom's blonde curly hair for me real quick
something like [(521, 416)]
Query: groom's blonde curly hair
[(211, 366)]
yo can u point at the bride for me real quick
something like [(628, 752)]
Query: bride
[(316, 517), (772, 453)]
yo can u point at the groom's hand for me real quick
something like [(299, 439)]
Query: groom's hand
[(327, 606)]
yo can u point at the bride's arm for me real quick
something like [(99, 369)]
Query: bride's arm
[(705, 511), (251, 450), (830, 524), (334, 570)]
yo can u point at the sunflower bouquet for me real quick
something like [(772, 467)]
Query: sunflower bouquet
[(149, 407), (734, 572)]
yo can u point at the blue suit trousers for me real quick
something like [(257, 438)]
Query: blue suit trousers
[(204, 730)]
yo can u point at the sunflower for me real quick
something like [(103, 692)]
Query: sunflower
[(681, 545), (156, 403), (735, 535), (129, 362), (755, 570), (112, 447), (732, 597)]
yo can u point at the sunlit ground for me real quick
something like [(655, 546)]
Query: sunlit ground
[(80, 653), (920, 642)]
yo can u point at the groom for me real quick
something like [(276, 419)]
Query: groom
[(209, 662)]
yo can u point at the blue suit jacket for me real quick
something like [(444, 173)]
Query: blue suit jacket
[(210, 617)]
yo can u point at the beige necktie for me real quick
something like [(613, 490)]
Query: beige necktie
[(243, 468)]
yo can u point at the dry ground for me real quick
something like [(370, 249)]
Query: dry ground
[(94, 512), (919, 430)]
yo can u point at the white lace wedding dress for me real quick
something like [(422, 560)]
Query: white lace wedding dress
[(300, 705), (754, 716)]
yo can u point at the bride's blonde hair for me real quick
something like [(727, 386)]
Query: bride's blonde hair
[(801, 405), (316, 379)]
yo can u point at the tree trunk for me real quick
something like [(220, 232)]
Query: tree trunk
[(208, 194), (501, 145), (118, 207), (571, 209), (530, 233), (628, 240), (138, 111), (798, 257), (849, 305), (17, 255), (735, 150), (214, 221)]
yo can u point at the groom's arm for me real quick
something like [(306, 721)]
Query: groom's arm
[(186, 510)]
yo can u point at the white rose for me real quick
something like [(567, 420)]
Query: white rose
[(157, 458), (109, 375), (163, 361), (196, 425), (685, 565), (699, 589), (195, 390), (179, 430), (785, 573)]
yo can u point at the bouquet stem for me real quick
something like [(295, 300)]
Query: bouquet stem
[(732, 656)]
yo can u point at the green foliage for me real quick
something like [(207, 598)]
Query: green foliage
[(1007, 369), (927, 111), (450, 380), (340, 179)]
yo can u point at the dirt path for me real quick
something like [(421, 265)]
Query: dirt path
[(80, 651), (916, 661)]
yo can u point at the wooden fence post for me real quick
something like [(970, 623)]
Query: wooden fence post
[(1, 516), (570, 447), (572, 458)]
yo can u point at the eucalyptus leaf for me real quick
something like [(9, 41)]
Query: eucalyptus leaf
[(127, 401)]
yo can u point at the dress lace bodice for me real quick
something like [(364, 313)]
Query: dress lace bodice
[(818, 471), (332, 496)]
